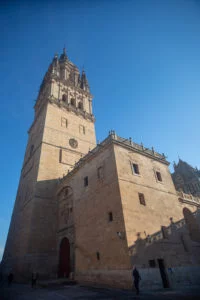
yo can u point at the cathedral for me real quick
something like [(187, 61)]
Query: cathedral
[(90, 211), (186, 178)]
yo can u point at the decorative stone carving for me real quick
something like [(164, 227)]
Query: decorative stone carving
[(73, 143)]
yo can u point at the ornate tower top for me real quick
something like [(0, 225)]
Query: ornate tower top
[(64, 85), (64, 70)]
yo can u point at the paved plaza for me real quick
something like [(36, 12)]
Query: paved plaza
[(25, 292)]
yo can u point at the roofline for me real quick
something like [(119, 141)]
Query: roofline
[(126, 143)]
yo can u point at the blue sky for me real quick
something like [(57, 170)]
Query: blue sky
[(142, 59)]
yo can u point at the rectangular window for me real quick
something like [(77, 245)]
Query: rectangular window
[(110, 216), (64, 122), (98, 255), (82, 129), (86, 181), (152, 263), (141, 198), (158, 176), (100, 173), (135, 169), (60, 155)]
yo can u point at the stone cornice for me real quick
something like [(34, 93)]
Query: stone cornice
[(126, 143)]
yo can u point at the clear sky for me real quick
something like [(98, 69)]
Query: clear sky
[(142, 60)]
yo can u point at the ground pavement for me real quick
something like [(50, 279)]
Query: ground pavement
[(25, 292)]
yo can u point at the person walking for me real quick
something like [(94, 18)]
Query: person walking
[(136, 279)]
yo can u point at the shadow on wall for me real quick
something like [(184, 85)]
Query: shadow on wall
[(31, 244), (171, 255)]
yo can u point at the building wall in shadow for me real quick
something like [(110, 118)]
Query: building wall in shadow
[(177, 246)]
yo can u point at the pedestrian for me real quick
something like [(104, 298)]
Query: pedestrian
[(34, 279), (136, 279), (10, 278)]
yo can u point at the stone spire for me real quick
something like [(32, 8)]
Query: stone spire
[(63, 70), (53, 71), (63, 56), (55, 64), (174, 165), (84, 82)]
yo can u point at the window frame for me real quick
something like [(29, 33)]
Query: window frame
[(86, 181), (142, 200), (132, 164), (135, 168), (64, 98), (73, 102), (80, 105), (158, 176), (98, 255), (64, 122), (110, 216), (100, 175), (82, 129)]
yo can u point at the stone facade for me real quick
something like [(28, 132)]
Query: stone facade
[(115, 229), (62, 132), (92, 211)]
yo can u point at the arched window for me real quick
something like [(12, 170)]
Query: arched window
[(72, 101), (80, 105), (64, 98)]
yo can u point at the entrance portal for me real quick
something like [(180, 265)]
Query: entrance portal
[(163, 273), (64, 258)]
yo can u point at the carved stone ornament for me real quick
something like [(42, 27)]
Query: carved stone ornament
[(73, 143)]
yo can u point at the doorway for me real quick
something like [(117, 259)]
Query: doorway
[(163, 273), (64, 258)]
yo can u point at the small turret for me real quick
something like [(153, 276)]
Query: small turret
[(84, 82), (79, 80), (52, 71), (55, 60), (174, 165), (63, 56), (55, 65)]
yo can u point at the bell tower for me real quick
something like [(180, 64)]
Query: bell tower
[(61, 133), (69, 123)]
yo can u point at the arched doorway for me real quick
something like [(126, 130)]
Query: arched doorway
[(64, 258)]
